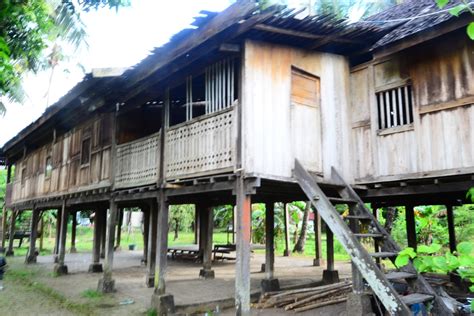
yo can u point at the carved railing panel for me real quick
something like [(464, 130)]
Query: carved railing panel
[(137, 162), (202, 146)]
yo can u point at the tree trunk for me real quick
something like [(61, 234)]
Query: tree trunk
[(391, 214), (299, 246)]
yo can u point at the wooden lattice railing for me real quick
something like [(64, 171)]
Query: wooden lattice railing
[(202, 146), (137, 162)]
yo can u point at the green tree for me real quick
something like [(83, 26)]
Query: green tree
[(28, 27), (181, 218)]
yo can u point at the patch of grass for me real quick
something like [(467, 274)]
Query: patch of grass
[(151, 312), (92, 294)]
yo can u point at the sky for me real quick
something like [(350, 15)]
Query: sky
[(116, 39)]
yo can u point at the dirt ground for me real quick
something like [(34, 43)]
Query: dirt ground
[(132, 296)]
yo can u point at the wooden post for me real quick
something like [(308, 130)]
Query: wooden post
[(31, 255), (161, 301), (196, 225), (410, 226), (208, 224), (202, 230), (317, 239), (451, 230), (42, 232), (152, 235), (242, 265), (11, 233), (357, 279), (330, 275), (103, 233), (73, 232), (146, 229), (60, 268), (107, 284), (287, 251), (96, 266), (4, 228), (375, 208), (270, 283), (57, 236), (119, 229)]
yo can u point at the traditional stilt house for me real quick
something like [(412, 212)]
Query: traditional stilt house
[(264, 106)]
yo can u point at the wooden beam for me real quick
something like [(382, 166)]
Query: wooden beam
[(73, 232), (11, 233), (162, 244), (324, 38), (60, 268), (146, 229)]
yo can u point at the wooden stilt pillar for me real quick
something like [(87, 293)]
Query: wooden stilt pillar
[(317, 240), (152, 236), (146, 230), (375, 208), (451, 230), (208, 225), (201, 210), (73, 232), (96, 266), (103, 233), (410, 225), (11, 233), (42, 232), (162, 301), (107, 284), (270, 283), (31, 255), (60, 268), (242, 265), (196, 225), (286, 217), (119, 229), (330, 275), (4, 229), (57, 236)]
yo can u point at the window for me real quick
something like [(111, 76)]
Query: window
[(48, 170), (395, 106), (23, 175), (86, 151)]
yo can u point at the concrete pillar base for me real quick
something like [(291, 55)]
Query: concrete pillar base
[(359, 304), (286, 253), (163, 304), (60, 269), (270, 285), (330, 276), (106, 285), (206, 274), (73, 250), (9, 253), (317, 262), (150, 280), (95, 268)]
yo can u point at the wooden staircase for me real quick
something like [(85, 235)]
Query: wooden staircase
[(365, 267)]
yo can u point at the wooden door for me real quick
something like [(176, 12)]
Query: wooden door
[(306, 119)]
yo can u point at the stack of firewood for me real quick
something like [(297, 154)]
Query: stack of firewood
[(306, 299)]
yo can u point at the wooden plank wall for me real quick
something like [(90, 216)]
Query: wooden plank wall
[(440, 139), (268, 142), (67, 175)]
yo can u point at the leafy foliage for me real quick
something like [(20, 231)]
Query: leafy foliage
[(457, 10)]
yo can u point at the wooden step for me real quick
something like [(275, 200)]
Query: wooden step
[(369, 235), (400, 275), (383, 254), (415, 298), (338, 200)]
